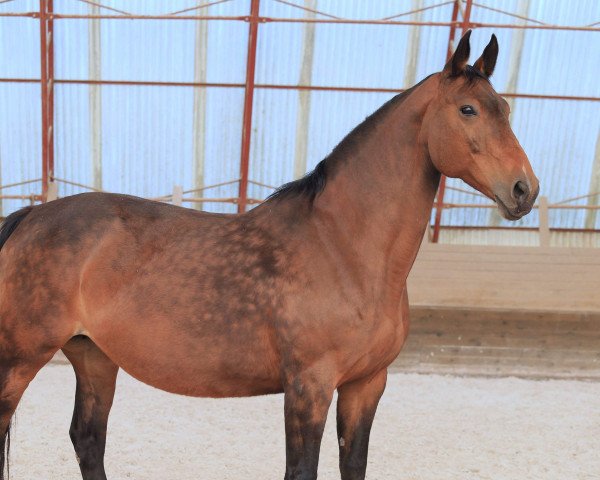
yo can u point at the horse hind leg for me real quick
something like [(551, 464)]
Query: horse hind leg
[(96, 379)]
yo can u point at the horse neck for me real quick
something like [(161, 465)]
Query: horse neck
[(377, 203)]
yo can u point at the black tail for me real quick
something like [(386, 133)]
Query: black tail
[(4, 452), (11, 223)]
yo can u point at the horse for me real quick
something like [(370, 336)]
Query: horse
[(303, 295)]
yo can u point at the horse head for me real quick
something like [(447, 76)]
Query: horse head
[(468, 134)]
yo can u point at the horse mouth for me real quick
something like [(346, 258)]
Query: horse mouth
[(509, 214)]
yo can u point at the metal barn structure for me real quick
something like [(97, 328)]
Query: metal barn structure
[(215, 103)]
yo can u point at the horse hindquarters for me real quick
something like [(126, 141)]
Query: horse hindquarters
[(34, 322)]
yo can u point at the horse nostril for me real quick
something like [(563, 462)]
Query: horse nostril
[(520, 192)]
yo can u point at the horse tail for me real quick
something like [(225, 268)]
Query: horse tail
[(11, 223), (5, 451)]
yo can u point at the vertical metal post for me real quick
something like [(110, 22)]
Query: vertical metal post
[(95, 94), (177, 195), (47, 93), (199, 108), (466, 23), (304, 96), (50, 50), (43, 90), (591, 215), (412, 48), (52, 191), (544, 222), (248, 104)]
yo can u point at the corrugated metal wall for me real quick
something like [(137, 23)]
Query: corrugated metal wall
[(144, 139), (20, 108), (147, 132)]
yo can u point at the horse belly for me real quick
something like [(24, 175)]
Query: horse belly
[(175, 324), (232, 363)]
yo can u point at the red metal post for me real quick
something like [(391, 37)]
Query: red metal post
[(50, 50), (442, 188), (248, 104), (43, 87), (47, 93)]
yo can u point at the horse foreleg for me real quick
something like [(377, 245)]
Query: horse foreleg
[(356, 406), (307, 400), (96, 377)]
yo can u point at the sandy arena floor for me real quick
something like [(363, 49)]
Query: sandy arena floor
[(427, 428)]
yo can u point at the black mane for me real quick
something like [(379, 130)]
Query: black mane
[(313, 183), (310, 185)]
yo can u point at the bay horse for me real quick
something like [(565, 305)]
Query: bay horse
[(304, 294)]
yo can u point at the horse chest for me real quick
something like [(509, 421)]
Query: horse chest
[(374, 343), (389, 335)]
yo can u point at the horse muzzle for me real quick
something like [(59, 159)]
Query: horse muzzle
[(519, 203)]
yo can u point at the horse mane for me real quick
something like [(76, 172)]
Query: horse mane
[(314, 182)]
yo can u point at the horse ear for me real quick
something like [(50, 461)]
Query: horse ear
[(486, 63), (458, 61)]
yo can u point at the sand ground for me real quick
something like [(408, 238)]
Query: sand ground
[(428, 427)]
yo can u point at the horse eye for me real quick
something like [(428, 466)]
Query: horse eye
[(467, 110)]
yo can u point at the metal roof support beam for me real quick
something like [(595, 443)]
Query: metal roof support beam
[(95, 95), (593, 200), (253, 20), (303, 116), (544, 219), (47, 92), (412, 49), (199, 107)]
